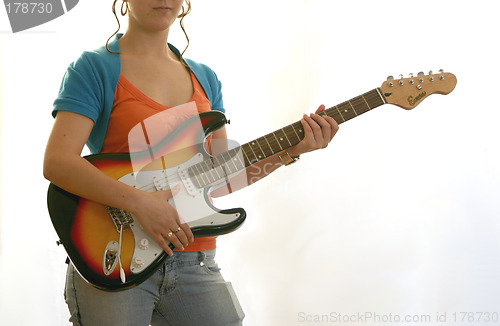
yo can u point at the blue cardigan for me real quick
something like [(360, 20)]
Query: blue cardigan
[(89, 84)]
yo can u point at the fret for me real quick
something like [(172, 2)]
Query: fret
[(266, 147), (202, 175), (381, 97), (277, 140), (373, 99), (286, 136), (359, 103), (261, 150), (353, 108), (251, 145), (226, 157), (338, 110), (237, 158), (283, 138), (211, 170), (251, 148), (221, 172), (208, 170), (191, 174), (346, 110), (369, 108), (197, 173), (271, 151), (215, 169), (248, 153), (246, 156), (295, 131), (219, 166)]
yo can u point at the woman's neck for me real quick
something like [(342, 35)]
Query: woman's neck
[(136, 42)]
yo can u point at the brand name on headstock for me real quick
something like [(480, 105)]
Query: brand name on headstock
[(414, 100)]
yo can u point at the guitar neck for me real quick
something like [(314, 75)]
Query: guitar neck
[(219, 167)]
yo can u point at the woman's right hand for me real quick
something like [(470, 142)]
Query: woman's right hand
[(162, 222)]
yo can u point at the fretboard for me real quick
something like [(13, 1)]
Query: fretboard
[(219, 167)]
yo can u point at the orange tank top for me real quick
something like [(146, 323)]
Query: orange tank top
[(130, 126)]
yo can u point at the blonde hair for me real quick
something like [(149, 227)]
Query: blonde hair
[(183, 13)]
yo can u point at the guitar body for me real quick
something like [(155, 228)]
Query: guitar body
[(90, 232)]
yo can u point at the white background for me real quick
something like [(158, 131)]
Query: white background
[(399, 216)]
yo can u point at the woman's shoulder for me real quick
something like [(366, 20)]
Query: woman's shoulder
[(98, 60)]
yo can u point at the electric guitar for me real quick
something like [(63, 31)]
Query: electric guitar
[(108, 246)]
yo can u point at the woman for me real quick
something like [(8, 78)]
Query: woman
[(103, 94)]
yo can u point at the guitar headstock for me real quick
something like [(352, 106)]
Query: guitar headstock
[(409, 92)]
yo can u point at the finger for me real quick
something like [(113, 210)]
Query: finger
[(326, 129), (164, 242), (173, 232), (308, 132), (334, 126), (175, 238), (320, 108), (187, 231), (317, 140), (172, 192), (181, 236)]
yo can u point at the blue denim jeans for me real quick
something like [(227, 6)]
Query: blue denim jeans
[(188, 289)]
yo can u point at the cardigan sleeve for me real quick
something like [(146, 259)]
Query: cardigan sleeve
[(210, 83), (88, 88), (80, 90)]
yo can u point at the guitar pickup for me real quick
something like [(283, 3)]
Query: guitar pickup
[(188, 184)]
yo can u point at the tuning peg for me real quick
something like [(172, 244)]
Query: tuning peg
[(441, 71), (390, 78), (410, 75), (430, 72), (420, 73), (401, 76)]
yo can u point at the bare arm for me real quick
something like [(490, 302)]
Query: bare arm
[(64, 166)]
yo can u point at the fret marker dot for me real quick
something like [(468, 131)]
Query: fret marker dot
[(281, 138)]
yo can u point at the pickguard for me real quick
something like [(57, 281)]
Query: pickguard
[(191, 203)]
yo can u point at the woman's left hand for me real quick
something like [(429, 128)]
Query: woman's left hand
[(318, 132)]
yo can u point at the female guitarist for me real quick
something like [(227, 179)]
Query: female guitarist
[(102, 96)]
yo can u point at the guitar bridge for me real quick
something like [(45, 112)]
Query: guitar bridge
[(120, 218)]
